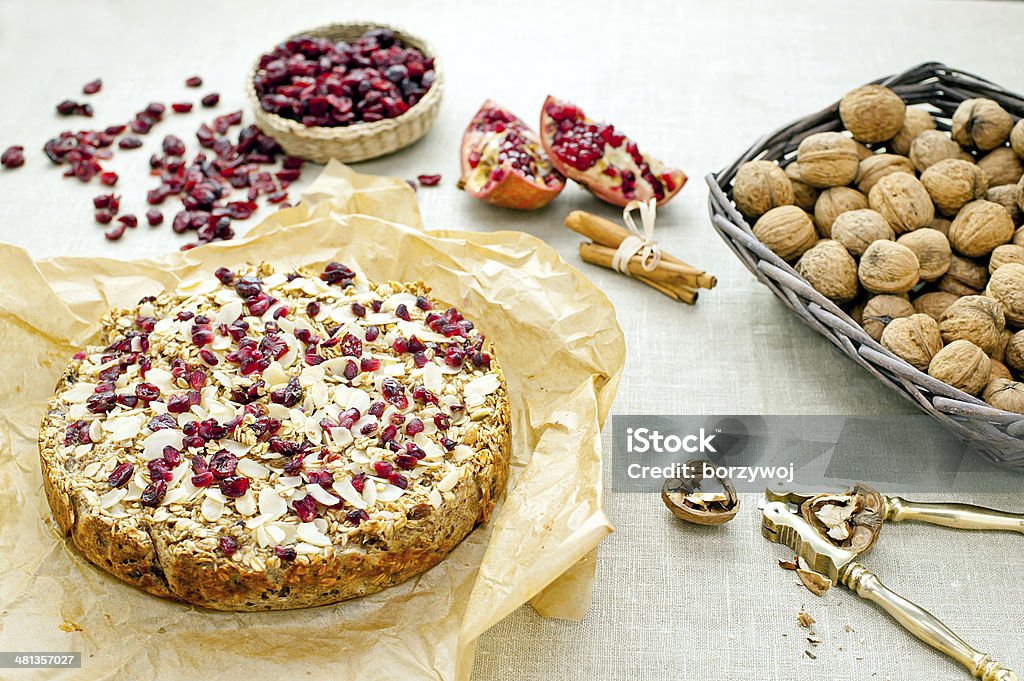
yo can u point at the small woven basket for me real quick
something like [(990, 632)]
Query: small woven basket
[(360, 141), (997, 434)]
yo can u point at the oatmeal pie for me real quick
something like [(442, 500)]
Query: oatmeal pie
[(265, 440)]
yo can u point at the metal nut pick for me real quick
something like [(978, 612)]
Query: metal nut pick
[(781, 525)]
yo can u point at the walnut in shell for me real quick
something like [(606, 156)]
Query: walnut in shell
[(1004, 255), (1004, 340), (981, 124), (1018, 237), (1013, 357), (787, 231), (1007, 196), (1001, 166), (952, 183), (872, 113), (1007, 286), (998, 370), (915, 339), (804, 195), (831, 270), (856, 229), (1005, 394), (760, 186), (979, 227), (888, 267), (915, 122), (833, 202), (1017, 138), (932, 146), (970, 273), (877, 166), (940, 224), (949, 284), (963, 365), (881, 310), (827, 159), (978, 319), (903, 201), (935, 304), (932, 250)]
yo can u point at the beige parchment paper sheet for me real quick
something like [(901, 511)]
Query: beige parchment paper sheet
[(562, 352)]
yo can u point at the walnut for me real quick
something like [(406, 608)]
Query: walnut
[(875, 167), (934, 304), (831, 270), (1018, 237), (1004, 339), (998, 370), (804, 194), (1005, 394), (787, 231), (952, 183), (1005, 254), (963, 365), (888, 267), (981, 124), (903, 201), (915, 122), (968, 272), (978, 319), (881, 310), (1017, 138), (863, 150), (932, 146), (827, 159), (1001, 166), (932, 250), (1013, 357), (760, 186), (856, 229), (941, 225), (1007, 286), (979, 227), (834, 201), (948, 284), (1007, 196), (873, 113), (915, 339), (1020, 194)]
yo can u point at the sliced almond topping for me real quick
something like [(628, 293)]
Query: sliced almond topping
[(212, 509), (450, 480), (271, 503), (346, 490), (112, 497), (308, 532)]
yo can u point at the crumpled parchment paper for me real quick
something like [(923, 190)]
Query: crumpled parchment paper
[(562, 352)]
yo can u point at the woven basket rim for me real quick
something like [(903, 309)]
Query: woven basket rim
[(349, 133), (945, 86)]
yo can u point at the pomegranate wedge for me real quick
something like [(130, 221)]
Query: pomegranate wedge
[(602, 159), (503, 162)]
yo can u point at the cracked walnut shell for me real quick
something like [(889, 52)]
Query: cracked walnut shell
[(888, 267), (760, 186), (903, 201), (978, 319), (1005, 394), (963, 365), (915, 122), (872, 113), (828, 159), (932, 250), (831, 270), (979, 227), (787, 231), (952, 183), (833, 202), (915, 339), (981, 124), (857, 229), (882, 310), (1007, 286)]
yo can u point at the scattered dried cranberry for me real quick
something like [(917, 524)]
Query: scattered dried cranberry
[(223, 464), (122, 474), (305, 508), (13, 157), (193, 81), (154, 493), (210, 100), (356, 516), (228, 545), (234, 487), (92, 87), (428, 180), (290, 395), (285, 553), (181, 107)]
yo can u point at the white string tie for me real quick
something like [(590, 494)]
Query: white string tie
[(638, 243)]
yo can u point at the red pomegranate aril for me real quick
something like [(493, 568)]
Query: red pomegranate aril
[(210, 100), (181, 107), (172, 456), (285, 553), (351, 346), (115, 233), (67, 107), (141, 126), (92, 87), (105, 217), (129, 143), (358, 310), (400, 345), (147, 392), (121, 474), (193, 81), (351, 370), (108, 178), (13, 157), (173, 146), (208, 357), (154, 217), (154, 493), (428, 180), (441, 421), (228, 545), (128, 220), (159, 470)]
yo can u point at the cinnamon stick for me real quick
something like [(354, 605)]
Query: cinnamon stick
[(670, 273)]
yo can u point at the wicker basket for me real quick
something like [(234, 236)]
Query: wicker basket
[(997, 434), (361, 141)]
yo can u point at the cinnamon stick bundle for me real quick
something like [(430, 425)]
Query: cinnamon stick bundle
[(672, 277)]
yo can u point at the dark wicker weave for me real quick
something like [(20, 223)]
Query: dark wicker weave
[(997, 434)]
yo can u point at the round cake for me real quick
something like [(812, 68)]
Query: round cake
[(262, 440)]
